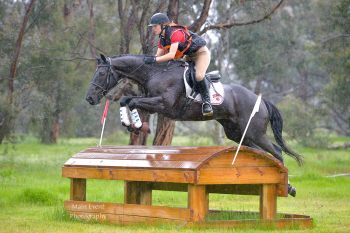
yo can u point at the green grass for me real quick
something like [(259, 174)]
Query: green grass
[(32, 191)]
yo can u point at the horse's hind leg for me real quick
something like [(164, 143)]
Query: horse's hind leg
[(232, 130), (265, 144)]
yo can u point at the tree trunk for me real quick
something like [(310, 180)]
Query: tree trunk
[(13, 67), (173, 10), (91, 29), (164, 132), (141, 138), (55, 130)]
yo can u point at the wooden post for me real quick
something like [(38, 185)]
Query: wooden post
[(137, 193), (77, 189), (268, 201), (198, 202)]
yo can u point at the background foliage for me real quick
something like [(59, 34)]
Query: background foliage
[(298, 58)]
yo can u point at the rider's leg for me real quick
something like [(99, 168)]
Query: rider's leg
[(202, 61)]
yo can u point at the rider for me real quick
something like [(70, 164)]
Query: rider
[(175, 41)]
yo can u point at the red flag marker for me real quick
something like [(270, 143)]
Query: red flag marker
[(104, 116), (103, 120)]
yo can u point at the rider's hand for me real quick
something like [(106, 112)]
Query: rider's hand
[(149, 59)]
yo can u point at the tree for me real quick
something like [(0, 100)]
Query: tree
[(8, 111), (335, 26)]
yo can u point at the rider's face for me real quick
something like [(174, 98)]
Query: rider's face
[(156, 29)]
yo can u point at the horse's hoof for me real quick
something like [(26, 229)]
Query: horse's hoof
[(292, 191), (130, 128)]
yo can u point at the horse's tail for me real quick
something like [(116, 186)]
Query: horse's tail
[(277, 126)]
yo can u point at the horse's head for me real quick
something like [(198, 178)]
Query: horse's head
[(104, 79)]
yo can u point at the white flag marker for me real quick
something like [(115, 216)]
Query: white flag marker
[(255, 110)]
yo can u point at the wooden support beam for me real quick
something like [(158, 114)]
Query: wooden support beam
[(268, 201), (137, 193), (198, 202), (77, 189)]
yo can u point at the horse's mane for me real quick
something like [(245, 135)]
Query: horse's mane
[(160, 66)]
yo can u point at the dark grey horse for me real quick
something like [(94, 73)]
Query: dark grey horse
[(165, 94)]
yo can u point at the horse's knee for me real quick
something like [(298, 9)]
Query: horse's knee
[(124, 101), (131, 104)]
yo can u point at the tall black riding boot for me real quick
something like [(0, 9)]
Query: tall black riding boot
[(207, 110)]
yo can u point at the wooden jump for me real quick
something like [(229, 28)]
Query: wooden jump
[(196, 170)]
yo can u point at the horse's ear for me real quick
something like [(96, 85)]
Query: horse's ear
[(98, 60), (104, 59)]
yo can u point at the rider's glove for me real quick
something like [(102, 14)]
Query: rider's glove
[(149, 59)]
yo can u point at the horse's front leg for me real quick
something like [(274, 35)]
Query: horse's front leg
[(125, 115), (149, 104)]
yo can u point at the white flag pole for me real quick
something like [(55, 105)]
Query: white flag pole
[(103, 128), (255, 110)]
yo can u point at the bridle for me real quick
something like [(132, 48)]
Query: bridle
[(110, 73)]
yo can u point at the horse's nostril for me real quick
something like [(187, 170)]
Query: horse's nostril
[(89, 99)]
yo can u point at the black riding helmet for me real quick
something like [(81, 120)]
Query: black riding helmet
[(159, 18)]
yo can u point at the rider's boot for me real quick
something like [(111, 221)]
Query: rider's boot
[(207, 110)]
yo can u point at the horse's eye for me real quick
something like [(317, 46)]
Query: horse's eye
[(102, 73)]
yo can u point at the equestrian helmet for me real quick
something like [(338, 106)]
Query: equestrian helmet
[(159, 18)]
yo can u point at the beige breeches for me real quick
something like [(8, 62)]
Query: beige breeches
[(202, 60)]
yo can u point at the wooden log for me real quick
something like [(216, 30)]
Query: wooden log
[(137, 193), (96, 209), (198, 202), (78, 189), (153, 175), (268, 202), (240, 175)]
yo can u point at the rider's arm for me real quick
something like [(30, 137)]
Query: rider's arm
[(160, 52), (170, 55)]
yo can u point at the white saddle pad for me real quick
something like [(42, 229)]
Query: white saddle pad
[(216, 91)]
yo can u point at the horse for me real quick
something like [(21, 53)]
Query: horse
[(164, 90)]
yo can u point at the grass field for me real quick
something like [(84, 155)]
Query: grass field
[(32, 191)]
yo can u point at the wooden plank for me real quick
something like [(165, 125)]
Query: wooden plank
[(280, 224), (166, 186), (245, 159), (241, 189), (136, 192), (245, 151), (268, 201), (130, 174), (122, 219), (155, 150), (198, 202), (144, 156), (240, 175), (131, 163), (77, 189), (128, 210)]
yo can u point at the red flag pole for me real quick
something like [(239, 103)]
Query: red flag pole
[(103, 120)]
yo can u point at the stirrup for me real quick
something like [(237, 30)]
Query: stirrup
[(207, 113)]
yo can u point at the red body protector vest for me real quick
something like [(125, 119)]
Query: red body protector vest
[(165, 41)]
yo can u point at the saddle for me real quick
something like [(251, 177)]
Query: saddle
[(212, 80), (211, 77)]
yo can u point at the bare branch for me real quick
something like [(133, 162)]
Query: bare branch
[(197, 24), (229, 24)]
